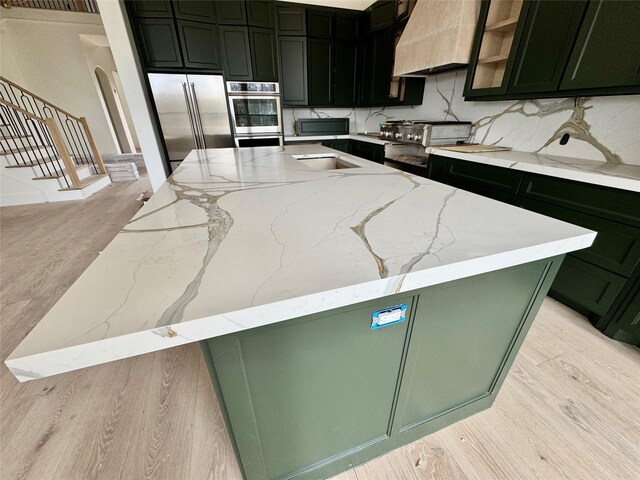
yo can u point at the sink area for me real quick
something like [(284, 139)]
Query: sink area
[(324, 161)]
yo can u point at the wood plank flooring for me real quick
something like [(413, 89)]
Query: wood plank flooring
[(569, 409)]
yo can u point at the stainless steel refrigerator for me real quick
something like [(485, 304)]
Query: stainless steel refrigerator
[(193, 112)]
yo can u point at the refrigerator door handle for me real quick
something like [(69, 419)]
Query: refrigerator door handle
[(199, 128), (190, 114)]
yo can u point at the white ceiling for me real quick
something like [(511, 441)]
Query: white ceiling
[(352, 4)]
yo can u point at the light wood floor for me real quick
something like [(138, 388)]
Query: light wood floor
[(570, 408)]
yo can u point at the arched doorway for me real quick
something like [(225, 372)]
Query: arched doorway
[(114, 109)]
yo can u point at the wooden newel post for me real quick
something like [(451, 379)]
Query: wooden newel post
[(69, 166), (92, 144)]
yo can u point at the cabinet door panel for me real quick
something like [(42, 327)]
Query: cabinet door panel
[(237, 54), (320, 24), (381, 16), (284, 416), (159, 42), (607, 50), (548, 35), (377, 68), (617, 246), (195, 10), (291, 21), (585, 287), (151, 8), (346, 88), (347, 26), (320, 57), (264, 54), (200, 44), (232, 12), (461, 172), (293, 75), (261, 13), (459, 339)]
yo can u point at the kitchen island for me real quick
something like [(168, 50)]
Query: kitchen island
[(344, 308)]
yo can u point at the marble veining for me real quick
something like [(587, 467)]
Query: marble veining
[(240, 238), (600, 128)]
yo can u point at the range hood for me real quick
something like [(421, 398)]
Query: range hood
[(438, 36)]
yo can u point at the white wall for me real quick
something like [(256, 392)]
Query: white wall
[(42, 51), (600, 128)]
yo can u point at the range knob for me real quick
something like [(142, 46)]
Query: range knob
[(409, 136), (387, 134), (398, 136), (417, 138)]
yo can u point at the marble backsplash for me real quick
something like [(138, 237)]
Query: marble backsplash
[(600, 128)]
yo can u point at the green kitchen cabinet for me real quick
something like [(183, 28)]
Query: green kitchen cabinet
[(320, 58), (236, 52), (293, 71), (264, 54), (291, 20), (261, 13), (200, 44), (341, 144), (320, 23), (607, 51), (493, 182), (626, 324), (367, 150), (195, 10), (547, 38), (313, 396), (231, 12), (377, 68), (437, 168), (381, 15), (347, 26), (345, 92), (151, 8), (158, 41)]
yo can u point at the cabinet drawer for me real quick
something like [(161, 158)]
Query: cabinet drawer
[(612, 204), (461, 173), (584, 285), (617, 246)]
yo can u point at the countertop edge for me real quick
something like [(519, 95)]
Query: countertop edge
[(593, 178), (117, 348), (350, 136)]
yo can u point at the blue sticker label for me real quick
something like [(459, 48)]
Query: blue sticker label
[(388, 316)]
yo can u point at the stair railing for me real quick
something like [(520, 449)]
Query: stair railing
[(36, 142), (75, 131)]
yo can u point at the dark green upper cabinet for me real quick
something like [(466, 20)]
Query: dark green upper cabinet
[(320, 58), (231, 12), (377, 68), (291, 20), (236, 52), (320, 23), (345, 70), (547, 38), (195, 10), (159, 42), (151, 8), (261, 13), (381, 15), (200, 45), (347, 26), (607, 51), (264, 54), (293, 71)]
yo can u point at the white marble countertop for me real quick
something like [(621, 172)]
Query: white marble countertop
[(316, 138), (625, 177), (239, 238)]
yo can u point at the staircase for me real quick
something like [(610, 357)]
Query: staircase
[(46, 153)]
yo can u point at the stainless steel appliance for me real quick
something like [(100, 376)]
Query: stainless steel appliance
[(255, 113), (425, 133), (192, 110)]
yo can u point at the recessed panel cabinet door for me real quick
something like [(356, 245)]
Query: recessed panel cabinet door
[(264, 54), (293, 74), (261, 13), (195, 10), (607, 50), (200, 45), (231, 12), (237, 54), (151, 8), (548, 35), (346, 59), (291, 20), (320, 52), (159, 42), (458, 342)]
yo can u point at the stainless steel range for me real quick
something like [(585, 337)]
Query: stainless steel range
[(425, 133), (409, 140)]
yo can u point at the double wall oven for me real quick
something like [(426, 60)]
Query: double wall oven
[(255, 113)]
